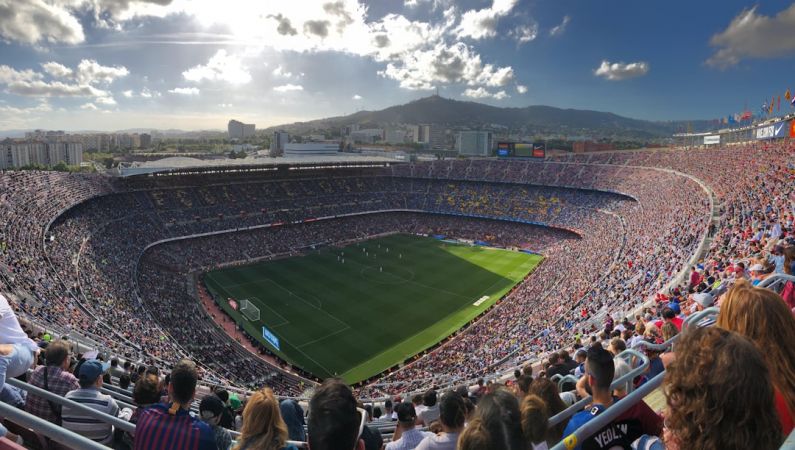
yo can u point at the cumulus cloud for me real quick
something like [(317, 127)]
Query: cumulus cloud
[(90, 72), (78, 83), (520, 88), (146, 93), (37, 21), (753, 35), (220, 67), (561, 28), (317, 27), (484, 93), (288, 87), (456, 63), (284, 26), (128, 94), (525, 33), (621, 71), (185, 91), (89, 106), (357, 97), (482, 23), (56, 70)]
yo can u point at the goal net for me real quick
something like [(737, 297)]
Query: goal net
[(249, 310)]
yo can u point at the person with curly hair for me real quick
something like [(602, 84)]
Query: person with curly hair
[(763, 317), (719, 394), (548, 392)]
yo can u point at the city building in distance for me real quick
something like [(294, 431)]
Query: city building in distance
[(240, 130)]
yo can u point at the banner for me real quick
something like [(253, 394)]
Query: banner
[(792, 129), (271, 338), (711, 140), (776, 130)]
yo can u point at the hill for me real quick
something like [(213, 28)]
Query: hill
[(537, 119)]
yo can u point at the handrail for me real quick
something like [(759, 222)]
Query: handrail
[(618, 382), (775, 279), (657, 347), (694, 319), (49, 429), (608, 415), (107, 418)]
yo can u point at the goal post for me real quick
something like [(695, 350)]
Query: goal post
[(249, 310)]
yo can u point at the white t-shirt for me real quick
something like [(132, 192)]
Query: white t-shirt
[(444, 441), (10, 331)]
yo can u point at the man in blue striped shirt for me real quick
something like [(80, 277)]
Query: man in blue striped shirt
[(90, 379)]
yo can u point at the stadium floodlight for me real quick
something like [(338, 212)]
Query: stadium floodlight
[(249, 310)]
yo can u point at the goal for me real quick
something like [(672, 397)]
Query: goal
[(249, 310)]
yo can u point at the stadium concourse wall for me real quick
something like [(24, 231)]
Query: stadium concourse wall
[(318, 219)]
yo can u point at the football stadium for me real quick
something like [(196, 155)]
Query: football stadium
[(441, 274)]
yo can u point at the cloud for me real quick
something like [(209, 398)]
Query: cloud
[(90, 72), (520, 88), (56, 70), (484, 93), (220, 67), (280, 71), (128, 94), (109, 101), (457, 63), (482, 23), (89, 106), (620, 71), (146, 93), (30, 83), (560, 29), (36, 21), (288, 87), (525, 33), (317, 27), (185, 91), (357, 97), (225, 105), (285, 27), (753, 35)]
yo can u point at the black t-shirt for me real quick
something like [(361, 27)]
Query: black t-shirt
[(372, 438)]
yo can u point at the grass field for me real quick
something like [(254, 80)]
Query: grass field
[(359, 317)]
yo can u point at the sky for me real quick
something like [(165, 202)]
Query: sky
[(194, 64)]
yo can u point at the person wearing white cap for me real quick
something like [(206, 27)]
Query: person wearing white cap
[(757, 273)]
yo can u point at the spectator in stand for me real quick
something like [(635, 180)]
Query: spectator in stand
[(617, 345), (407, 436), (53, 377), (170, 426), (335, 423), (88, 394), (452, 417), (263, 426), (124, 381), (293, 416), (145, 394), (630, 425), (548, 391), (227, 419), (431, 411), (497, 424), (535, 415), (115, 370), (705, 411), (18, 352), (211, 409), (761, 316)]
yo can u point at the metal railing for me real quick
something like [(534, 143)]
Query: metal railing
[(776, 281), (610, 414), (48, 429), (617, 383), (120, 424)]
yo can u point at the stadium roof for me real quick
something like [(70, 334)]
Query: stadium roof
[(181, 163)]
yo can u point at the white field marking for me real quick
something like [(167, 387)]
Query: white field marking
[(283, 320), (323, 338), (319, 308)]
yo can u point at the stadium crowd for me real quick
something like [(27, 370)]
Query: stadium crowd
[(82, 274)]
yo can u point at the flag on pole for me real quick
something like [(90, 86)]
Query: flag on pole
[(779, 104), (788, 95)]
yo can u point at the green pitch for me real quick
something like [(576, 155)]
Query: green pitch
[(354, 312)]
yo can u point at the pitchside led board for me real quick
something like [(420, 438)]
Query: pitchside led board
[(520, 150), (271, 338), (773, 131)]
